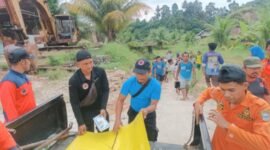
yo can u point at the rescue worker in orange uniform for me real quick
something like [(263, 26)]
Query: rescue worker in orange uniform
[(16, 94), (266, 66), (242, 119), (6, 140)]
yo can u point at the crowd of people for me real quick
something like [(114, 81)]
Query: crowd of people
[(242, 94)]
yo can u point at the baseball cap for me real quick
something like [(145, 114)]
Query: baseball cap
[(82, 55), (142, 66), (18, 54), (252, 62)]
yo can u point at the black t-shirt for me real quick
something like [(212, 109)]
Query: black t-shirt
[(79, 87)]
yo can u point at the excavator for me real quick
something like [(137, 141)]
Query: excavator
[(32, 20)]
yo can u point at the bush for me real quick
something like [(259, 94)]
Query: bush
[(121, 56), (53, 61)]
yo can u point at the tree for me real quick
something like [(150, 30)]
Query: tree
[(193, 16), (233, 6), (210, 12), (165, 12), (159, 35), (108, 16), (221, 30), (189, 38), (157, 13), (53, 6), (175, 9), (263, 27)]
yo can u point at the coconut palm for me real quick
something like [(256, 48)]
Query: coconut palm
[(221, 30), (263, 27), (108, 16)]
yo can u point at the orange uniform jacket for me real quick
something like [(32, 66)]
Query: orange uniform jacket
[(16, 95), (6, 140), (266, 72), (250, 122)]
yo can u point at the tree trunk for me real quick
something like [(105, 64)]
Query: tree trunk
[(110, 35), (94, 37)]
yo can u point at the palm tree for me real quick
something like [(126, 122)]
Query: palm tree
[(264, 27), (108, 16), (221, 30)]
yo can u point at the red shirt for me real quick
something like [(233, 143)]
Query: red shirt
[(16, 95), (6, 140)]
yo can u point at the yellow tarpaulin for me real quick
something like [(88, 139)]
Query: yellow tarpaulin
[(130, 137)]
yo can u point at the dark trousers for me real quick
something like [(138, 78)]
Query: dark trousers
[(211, 80), (88, 116), (149, 121), (160, 77)]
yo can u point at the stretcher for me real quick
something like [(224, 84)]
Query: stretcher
[(47, 127)]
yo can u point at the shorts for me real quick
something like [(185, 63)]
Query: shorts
[(184, 83), (160, 77), (198, 66)]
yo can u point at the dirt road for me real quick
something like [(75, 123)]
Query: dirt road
[(174, 116)]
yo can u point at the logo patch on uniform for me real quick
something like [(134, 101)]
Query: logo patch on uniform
[(245, 115), (141, 62), (220, 106), (23, 92), (85, 86), (265, 115)]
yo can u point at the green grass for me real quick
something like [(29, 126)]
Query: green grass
[(232, 55), (53, 74), (121, 56), (60, 58)]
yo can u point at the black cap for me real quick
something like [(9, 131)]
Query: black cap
[(82, 55), (142, 66), (212, 46), (17, 55), (231, 73)]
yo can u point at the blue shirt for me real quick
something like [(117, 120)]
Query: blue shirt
[(186, 70), (159, 67), (143, 100), (257, 51), (212, 61)]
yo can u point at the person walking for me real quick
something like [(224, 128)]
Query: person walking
[(185, 72), (211, 64)]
